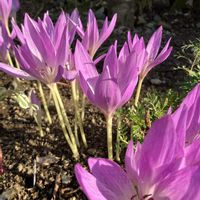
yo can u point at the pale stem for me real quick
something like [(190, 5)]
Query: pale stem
[(118, 138), (44, 102), (80, 122), (72, 146), (10, 59), (109, 136), (139, 87), (78, 91), (11, 62), (64, 114), (17, 64), (83, 107), (74, 96), (76, 131)]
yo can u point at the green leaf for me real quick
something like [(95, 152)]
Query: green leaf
[(22, 100)]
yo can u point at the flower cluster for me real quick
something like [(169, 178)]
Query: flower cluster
[(166, 165)]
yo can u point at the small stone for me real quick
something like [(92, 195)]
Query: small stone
[(48, 130), (20, 167), (17, 148), (11, 166), (32, 142), (93, 121), (30, 170)]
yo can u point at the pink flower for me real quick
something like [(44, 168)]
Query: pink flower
[(91, 38), (115, 85), (152, 49)]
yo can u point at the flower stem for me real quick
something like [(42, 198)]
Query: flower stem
[(80, 122), (118, 138), (10, 59), (139, 87), (64, 114), (71, 144), (83, 107), (76, 131), (109, 136), (44, 102)]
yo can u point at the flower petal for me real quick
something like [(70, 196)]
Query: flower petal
[(182, 184), (111, 62), (131, 162), (154, 43), (91, 35), (191, 107), (70, 75), (112, 176), (107, 93), (105, 32), (83, 62), (15, 72), (164, 149), (92, 187)]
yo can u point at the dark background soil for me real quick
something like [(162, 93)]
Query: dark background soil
[(19, 138)]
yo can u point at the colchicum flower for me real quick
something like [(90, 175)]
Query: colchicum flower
[(115, 85), (164, 166), (5, 42), (91, 38), (153, 57), (43, 52), (154, 170)]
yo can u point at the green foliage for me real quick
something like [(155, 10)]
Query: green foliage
[(192, 79), (22, 100), (191, 53), (136, 122)]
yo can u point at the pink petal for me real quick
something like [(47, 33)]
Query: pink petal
[(83, 62), (159, 147), (15, 72), (106, 32), (92, 187), (182, 184), (154, 43), (111, 62), (107, 93), (112, 176)]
